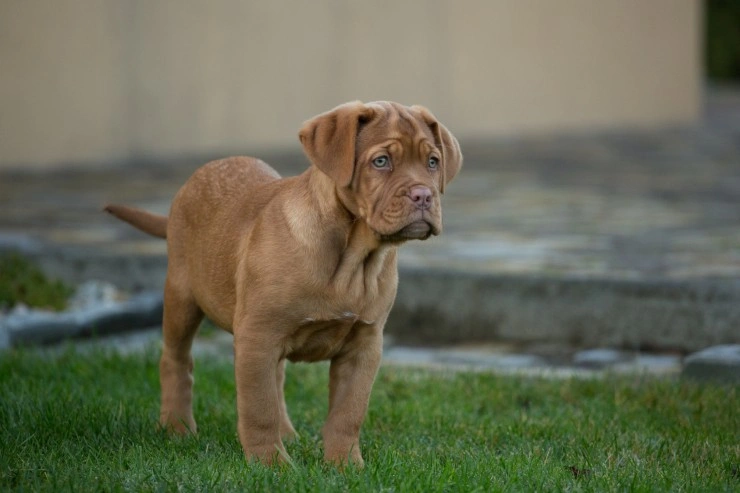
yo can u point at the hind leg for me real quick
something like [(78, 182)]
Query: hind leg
[(182, 316)]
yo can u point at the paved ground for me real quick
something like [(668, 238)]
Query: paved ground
[(624, 204), (633, 205), (498, 358)]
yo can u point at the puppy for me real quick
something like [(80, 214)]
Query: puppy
[(300, 268)]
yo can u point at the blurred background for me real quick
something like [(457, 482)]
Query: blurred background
[(598, 205), (102, 82)]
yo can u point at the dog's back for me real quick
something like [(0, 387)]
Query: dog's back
[(213, 211), (236, 187)]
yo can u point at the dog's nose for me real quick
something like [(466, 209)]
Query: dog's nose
[(421, 197)]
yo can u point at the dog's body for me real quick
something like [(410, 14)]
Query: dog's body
[(300, 268)]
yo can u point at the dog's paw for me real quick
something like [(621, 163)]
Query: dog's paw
[(342, 459), (287, 432), (269, 455), (177, 425)]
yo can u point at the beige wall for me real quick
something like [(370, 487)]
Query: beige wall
[(102, 81)]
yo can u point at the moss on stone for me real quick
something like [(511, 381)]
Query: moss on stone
[(23, 282)]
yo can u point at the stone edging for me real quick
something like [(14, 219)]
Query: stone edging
[(36, 328)]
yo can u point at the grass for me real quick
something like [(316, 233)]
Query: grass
[(86, 422), (22, 282)]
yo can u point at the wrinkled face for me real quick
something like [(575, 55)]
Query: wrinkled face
[(398, 173), (390, 163)]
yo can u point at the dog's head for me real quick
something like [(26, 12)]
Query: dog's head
[(390, 163)]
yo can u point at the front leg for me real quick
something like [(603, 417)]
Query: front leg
[(256, 361), (287, 432), (351, 378)]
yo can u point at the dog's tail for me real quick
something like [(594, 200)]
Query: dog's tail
[(153, 224)]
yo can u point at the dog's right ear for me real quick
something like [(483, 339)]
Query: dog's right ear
[(329, 140)]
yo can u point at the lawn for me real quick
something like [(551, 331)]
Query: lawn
[(73, 421)]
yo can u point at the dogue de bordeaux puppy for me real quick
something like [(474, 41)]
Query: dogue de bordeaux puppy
[(300, 268)]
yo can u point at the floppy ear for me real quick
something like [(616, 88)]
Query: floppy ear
[(447, 143), (329, 140)]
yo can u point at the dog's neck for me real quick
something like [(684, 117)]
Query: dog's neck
[(325, 197), (358, 253), (338, 213)]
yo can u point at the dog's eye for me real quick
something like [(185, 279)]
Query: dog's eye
[(381, 162), (433, 162)]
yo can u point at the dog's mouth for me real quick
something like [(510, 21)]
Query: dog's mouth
[(417, 230)]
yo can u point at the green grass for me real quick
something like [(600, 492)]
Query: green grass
[(86, 422), (22, 282)]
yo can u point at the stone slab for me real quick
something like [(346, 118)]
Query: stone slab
[(449, 307), (436, 306), (39, 328), (717, 363)]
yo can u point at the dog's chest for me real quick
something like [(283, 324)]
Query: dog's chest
[(316, 340)]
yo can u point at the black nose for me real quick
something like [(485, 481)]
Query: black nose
[(421, 197)]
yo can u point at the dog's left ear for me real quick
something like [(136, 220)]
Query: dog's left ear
[(447, 144), (329, 140)]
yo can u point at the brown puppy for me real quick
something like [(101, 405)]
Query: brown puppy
[(300, 268)]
